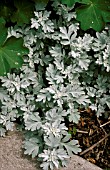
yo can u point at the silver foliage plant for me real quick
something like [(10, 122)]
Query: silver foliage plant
[(59, 76)]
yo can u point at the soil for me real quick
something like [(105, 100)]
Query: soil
[(93, 139)]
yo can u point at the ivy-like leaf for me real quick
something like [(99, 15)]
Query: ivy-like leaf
[(11, 53), (69, 3), (40, 4), (24, 12), (3, 31), (93, 14), (6, 9)]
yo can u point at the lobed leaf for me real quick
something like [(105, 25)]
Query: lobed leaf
[(93, 14), (31, 147), (24, 12), (11, 53)]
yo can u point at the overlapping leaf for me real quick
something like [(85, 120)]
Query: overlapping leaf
[(11, 51), (33, 122), (40, 4), (72, 146), (93, 14), (24, 12), (6, 9), (70, 3)]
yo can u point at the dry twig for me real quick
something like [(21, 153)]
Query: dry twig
[(93, 146), (81, 131), (105, 124)]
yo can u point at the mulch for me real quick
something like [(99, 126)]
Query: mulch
[(93, 135)]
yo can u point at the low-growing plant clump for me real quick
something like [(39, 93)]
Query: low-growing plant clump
[(65, 69)]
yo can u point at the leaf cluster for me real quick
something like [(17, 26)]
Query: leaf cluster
[(64, 69), (91, 13), (19, 12)]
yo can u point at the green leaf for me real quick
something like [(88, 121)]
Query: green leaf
[(24, 12), (74, 130), (6, 9), (11, 53), (41, 1), (3, 31), (69, 3), (40, 4), (93, 14), (106, 16)]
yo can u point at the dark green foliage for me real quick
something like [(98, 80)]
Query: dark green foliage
[(11, 51), (23, 13), (14, 12), (91, 13), (19, 11)]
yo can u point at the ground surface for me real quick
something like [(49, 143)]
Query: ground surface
[(11, 154), (94, 138), (12, 158)]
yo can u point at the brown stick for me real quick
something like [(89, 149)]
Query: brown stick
[(93, 146), (105, 124)]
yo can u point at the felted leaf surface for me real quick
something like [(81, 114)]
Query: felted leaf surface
[(24, 12), (2, 131), (93, 14), (72, 146), (31, 147), (74, 116), (52, 141), (33, 122), (3, 94), (11, 53)]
